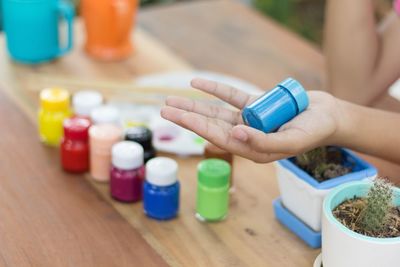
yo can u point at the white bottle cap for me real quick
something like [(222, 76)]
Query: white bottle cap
[(105, 114), (161, 171), (127, 155), (85, 101)]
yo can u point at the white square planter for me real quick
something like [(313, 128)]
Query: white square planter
[(303, 195)]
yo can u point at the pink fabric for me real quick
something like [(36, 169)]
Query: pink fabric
[(396, 6)]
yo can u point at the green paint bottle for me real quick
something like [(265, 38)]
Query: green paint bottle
[(213, 189)]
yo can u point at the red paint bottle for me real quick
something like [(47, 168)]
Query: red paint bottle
[(75, 145)]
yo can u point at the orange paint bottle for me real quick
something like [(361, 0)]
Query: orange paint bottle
[(108, 26)]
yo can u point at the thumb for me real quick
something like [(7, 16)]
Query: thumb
[(287, 141)]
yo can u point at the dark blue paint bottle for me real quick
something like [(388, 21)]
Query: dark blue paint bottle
[(276, 107), (161, 189)]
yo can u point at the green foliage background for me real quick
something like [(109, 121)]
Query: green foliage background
[(303, 16)]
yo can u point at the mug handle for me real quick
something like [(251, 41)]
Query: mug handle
[(66, 11)]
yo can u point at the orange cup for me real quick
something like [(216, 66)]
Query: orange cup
[(108, 26)]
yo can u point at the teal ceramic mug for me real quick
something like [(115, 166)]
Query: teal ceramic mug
[(32, 29), (1, 16)]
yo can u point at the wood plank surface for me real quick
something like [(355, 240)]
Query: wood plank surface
[(222, 36), (25, 81), (250, 236), (228, 37), (50, 218)]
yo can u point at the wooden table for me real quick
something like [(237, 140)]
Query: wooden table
[(50, 218)]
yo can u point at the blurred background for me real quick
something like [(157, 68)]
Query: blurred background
[(302, 16)]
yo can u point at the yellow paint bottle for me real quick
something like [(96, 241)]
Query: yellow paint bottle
[(54, 109)]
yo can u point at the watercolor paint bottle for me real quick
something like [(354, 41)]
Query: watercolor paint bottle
[(161, 189), (75, 145), (101, 139), (105, 114), (143, 136), (127, 172), (211, 151), (84, 102), (276, 107), (54, 109), (212, 190)]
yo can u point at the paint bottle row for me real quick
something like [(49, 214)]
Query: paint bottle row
[(92, 140)]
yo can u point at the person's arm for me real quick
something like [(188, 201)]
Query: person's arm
[(326, 121), (371, 131), (362, 60)]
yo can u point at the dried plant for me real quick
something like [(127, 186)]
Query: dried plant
[(319, 163), (313, 157), (378, 204)]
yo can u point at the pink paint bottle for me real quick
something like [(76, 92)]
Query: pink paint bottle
[(101, 138), (127, 171)]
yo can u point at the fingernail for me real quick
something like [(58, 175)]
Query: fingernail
[(167, 100), (162, 112), (240, 135), (195, 82)]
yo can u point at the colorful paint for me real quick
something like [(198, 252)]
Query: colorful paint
[(75, 145), (161, 189), (101, 139), (127, 171), (212, 151), (143, 136), (213, 190), (54, 109)]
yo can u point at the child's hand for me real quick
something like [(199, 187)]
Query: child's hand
[(223, 127)]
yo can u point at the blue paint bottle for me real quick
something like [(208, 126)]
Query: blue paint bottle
[(161, 189), (276, 107)]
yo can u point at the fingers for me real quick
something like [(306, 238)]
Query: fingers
[(207, 110), (211, 129), (216, 131), (286, 142), (224, 92)]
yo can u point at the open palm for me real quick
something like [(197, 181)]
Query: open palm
[(225, 128)]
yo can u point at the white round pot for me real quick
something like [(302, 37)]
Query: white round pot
[(318, 261), (342, 247), (303, 195)]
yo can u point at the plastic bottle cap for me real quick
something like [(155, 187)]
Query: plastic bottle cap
[(127, 155), (161, 171), (297, 91), (214, 172), (105, 114), (54, 99), (141, 135), (76, 128), (85, 101)]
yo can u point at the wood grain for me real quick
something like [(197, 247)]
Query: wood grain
[(50, 218), (78, 71), (250, 236), (236, 40), (37, 201), (228, 37)]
